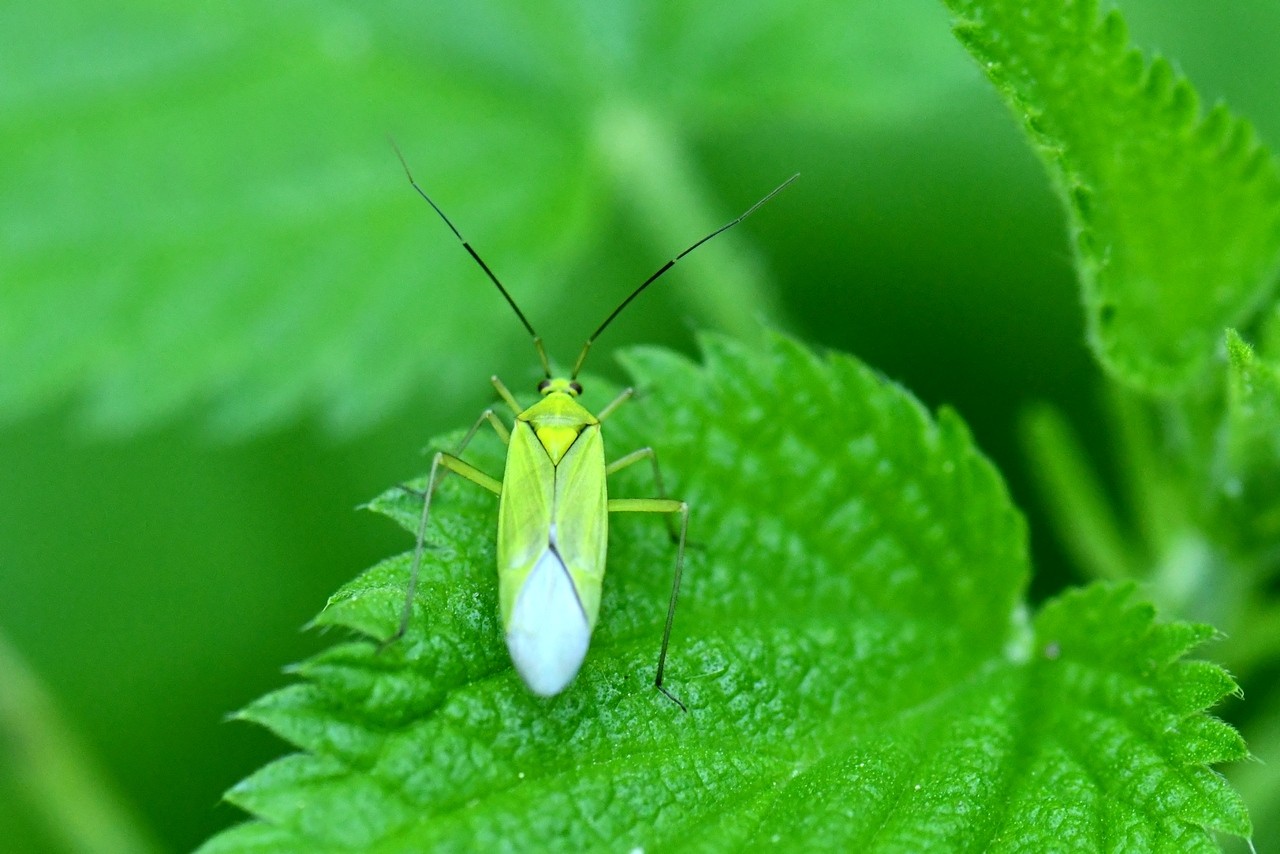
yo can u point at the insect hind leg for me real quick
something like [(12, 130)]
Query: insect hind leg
[(671, 507)]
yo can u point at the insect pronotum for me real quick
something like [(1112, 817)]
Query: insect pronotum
[(553, 505)]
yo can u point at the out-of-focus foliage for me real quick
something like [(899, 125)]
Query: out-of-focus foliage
[(201, 208), (203, 233)]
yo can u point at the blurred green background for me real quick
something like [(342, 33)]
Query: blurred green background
[(225, 318)]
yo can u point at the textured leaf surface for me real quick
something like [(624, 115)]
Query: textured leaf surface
[(852, 645), (1176, 212)]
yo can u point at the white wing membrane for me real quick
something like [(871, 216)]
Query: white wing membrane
[(548, 631)]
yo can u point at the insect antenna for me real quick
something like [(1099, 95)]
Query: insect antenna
[(586, 348), (537, 339)]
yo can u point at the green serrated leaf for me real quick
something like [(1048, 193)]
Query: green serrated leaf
[(1103, 709), (1175, 213), (60, 782), (852, 645)]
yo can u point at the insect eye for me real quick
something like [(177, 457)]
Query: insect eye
[(542, 386), (575, 387)]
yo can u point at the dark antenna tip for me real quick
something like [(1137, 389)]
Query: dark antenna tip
[(537, 341), (586, 348)]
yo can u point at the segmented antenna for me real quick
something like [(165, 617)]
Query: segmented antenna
[(586, 348), (537, 339)]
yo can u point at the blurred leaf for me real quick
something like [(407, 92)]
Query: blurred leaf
[(852, 645), (200, 208), (1176, 214), (61, 781)]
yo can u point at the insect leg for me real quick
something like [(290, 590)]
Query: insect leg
[(494, 421), (498, 427), (635, 457), (507, 397), (622, 398), (662, 505), (441, 464)]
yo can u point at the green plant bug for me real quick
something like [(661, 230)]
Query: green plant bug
[(553, 504)]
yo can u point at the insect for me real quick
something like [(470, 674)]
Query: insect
[(553, 504)]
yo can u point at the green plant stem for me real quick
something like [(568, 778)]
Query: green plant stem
[(1135, 445), (1076, 501), (675, 207), (57, 774)]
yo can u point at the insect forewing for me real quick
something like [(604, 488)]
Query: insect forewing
[(551, 548), (581, 517)]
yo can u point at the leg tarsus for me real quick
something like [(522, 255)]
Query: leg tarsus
[(683, 510), (672, 697), (399, 633), (416, 493)]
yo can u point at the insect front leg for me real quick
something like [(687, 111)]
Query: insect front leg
[(625, 395), (494, 421), (669, 506), (507, 397)]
